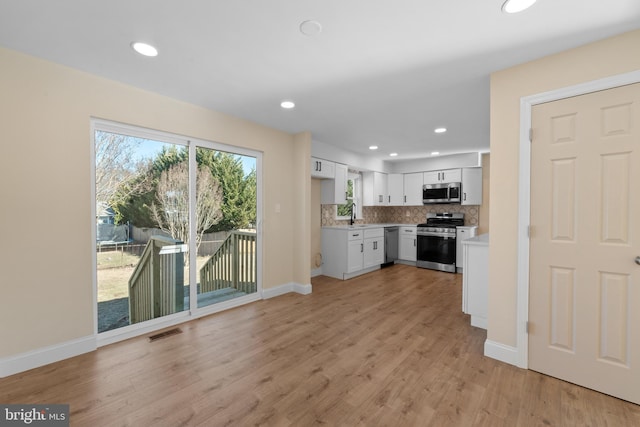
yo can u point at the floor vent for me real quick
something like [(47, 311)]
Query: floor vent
[(165, 334)]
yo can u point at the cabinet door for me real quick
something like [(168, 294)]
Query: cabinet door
[(395, 184), (408, 248), (452, 175), (334, 191), (380, 189), (373, 251), (374, 189), (355, 253), (432, 177), (443, 176), (462, 233), (471, 186), (379, 251), (322, 168), (413, 189)]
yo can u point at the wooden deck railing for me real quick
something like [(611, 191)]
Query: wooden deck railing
[(156, 287), (233, 265)]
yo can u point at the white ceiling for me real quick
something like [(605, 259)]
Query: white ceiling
[(381, 72)]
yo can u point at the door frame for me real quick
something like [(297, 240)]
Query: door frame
[(190, 313), (524, 192)]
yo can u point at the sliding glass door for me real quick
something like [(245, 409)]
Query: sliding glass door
[(170, 212), (226, 208)]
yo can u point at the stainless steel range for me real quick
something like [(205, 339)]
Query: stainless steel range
[(437, 241)]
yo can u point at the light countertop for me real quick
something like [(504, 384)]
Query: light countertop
[(481, 240), (366, 226)]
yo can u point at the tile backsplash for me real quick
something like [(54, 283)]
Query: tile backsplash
[(400, 214)]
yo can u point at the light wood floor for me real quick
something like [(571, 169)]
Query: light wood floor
[(388, 348)]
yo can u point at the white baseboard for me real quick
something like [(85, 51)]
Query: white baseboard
[(501, 352), (479, 322), (316, 272), (285, 289), (43, 356)]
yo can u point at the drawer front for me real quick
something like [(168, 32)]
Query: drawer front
[(356, 235), (408, 231), (373, 232)]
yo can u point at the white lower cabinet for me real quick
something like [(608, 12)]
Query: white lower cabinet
[(373, 247), (408, 244), (463, 233), (347, 253), (355, 252), (475, 279)]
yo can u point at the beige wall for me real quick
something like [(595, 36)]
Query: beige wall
[(483, 220), (605, 58), (316, 225), (45, 174), (302, 207)]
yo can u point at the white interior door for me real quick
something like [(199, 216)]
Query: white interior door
[(584, 314)]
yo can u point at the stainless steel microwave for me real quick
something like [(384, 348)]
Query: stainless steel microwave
[(441, 193)]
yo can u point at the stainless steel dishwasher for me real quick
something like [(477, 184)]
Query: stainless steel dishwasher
[(390, 245)]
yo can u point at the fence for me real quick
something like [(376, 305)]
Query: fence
[(156, 287), (233, 265)]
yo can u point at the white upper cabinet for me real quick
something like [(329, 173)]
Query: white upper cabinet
[(471, 186), (395, 185), (334, 191), (374, 189), (322, 168), (402, 190), (413, 189), (443, 176)]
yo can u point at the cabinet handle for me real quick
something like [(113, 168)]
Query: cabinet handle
[(389, 199), (405, 199), (320, 163), (465, 196), (361, 247), (414, 242)]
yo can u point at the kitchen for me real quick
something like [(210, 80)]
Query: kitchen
[(375, 213)]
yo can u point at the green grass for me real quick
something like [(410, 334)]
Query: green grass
[(114, 270)]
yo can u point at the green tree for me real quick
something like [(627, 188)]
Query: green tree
[(239, 191), (136, 196)]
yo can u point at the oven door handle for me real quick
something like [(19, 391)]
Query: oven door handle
[(445, 235)]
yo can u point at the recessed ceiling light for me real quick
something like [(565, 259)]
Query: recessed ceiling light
[(393, 154), (373, 147), (515, 6), (310, 28), (287, 104), (435, 153), (144, 49), (440, 130)]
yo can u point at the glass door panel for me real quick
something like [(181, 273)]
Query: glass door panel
[(226, 206), (142, 229)]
